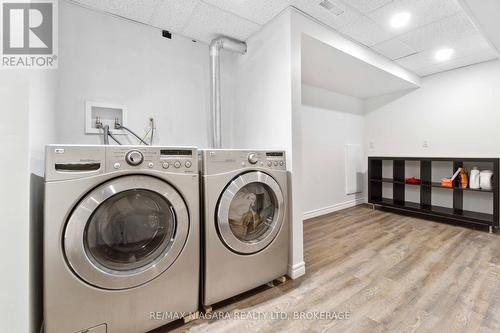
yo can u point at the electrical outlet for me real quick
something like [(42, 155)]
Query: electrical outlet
[(425, 144), (372, 145)]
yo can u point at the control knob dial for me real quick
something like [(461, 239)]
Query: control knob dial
[(134, 157), (253, 158)]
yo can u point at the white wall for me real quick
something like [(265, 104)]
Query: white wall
[(319, 120), (14, 201), (262, 117), (457, 112), (27, 109), (328, 124), (263, 112), (107, 59), (42, 120)]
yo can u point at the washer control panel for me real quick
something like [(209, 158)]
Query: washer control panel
[(166, 159), (217, 161)]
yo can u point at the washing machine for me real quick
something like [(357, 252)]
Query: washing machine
[(245, 221), (121, 237)]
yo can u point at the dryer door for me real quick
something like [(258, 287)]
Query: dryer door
[(250, 212), (126, 232)]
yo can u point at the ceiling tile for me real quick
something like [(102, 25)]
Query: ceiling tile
[(366, 6), (471, 49), (207, 22), (393, 49), (313, 8), (366, 32), (440, 33), (428, 70), (471, 44), (258, 11), (422, 12), (172, 15), (139, 10), (417, 60), (471, 59)]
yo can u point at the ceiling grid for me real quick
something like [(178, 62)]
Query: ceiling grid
[(433, 24)]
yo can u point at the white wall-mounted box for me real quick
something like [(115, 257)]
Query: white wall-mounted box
[(107, 114)]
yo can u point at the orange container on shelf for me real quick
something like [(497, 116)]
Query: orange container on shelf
[(446, 182), (464, 179)]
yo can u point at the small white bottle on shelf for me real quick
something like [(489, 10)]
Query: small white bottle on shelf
[(485, 178), (474, 179)]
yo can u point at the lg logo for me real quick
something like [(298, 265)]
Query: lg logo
[(27, 28)]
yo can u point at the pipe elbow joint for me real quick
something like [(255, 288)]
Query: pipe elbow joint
[(227, 43)]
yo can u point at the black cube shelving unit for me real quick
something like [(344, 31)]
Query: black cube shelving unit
[(425, 206)]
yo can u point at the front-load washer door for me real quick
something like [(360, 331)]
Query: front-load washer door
[(126, 232), (250, 212)]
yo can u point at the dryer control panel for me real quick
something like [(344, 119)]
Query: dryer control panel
[(179, 160), (275, 160), (218, 161)]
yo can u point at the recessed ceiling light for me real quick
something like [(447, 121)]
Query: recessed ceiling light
[(400, 20), (444, 54)]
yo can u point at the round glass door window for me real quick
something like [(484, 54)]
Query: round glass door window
[(126, 232), (250, 212), (130, 230)]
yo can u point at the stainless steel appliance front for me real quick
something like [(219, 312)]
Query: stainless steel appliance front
[(121, 239), (245, 221)]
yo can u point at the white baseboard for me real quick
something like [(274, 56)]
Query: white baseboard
[(333, 208), (297, 270)]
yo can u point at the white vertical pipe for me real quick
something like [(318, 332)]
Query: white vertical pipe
[(215, 77)]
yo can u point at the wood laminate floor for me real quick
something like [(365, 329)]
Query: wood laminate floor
[(391, 273)]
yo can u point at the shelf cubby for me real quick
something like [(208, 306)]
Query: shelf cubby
[(429, 170)]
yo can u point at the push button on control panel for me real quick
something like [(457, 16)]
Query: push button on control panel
[(188, 164), (165, 165), (117, 165), (269, 163), (177, 164), (150, 165)]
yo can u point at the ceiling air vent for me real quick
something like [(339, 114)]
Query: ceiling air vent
[(331, 8)]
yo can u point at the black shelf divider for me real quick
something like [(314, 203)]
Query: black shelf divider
[(458, 195), (496, 189), (398, 186), (426, 178), (375, 187), (425, 206)]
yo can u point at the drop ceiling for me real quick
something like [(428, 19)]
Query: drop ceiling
[(434, 24)]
